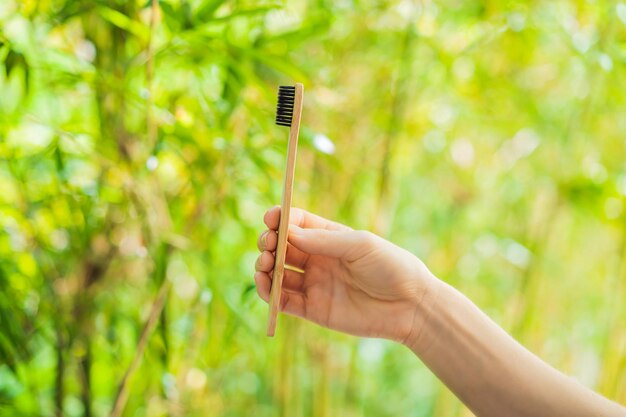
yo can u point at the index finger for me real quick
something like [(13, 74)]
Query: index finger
[(301, 218)]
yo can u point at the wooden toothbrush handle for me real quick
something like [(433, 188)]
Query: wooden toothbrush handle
[(285, 208)]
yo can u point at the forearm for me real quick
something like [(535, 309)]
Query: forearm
[(488, 370)]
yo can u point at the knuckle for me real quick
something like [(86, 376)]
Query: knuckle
[(260, 241), (270, 240), (366, 238)]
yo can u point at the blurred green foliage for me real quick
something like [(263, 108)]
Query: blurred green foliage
[(138, 154)]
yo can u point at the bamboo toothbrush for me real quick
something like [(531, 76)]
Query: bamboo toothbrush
[(288, 113)]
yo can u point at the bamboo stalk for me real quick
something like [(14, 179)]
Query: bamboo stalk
[(59, 382), (151, 123), (384, 203), (85, 379), (155, 312)]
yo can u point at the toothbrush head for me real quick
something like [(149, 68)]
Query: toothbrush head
[(284, 109)]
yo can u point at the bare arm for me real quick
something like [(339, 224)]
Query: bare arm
[(363, 285), (489, 371)]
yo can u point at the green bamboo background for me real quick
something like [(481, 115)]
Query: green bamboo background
[(138, 154)]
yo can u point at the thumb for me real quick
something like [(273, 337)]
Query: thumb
[(335, 243)]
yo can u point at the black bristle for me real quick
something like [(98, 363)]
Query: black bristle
[(284, 109)]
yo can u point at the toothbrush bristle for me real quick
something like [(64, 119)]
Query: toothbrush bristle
[(284, 109)]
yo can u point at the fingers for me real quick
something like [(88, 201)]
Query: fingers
[(295, 257), (349, 245), (263, 285), (301, 218), (272, 218), (291, 302), (267, 241), (292, 280), (265, 262)]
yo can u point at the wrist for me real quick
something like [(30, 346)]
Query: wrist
[(425, 306)]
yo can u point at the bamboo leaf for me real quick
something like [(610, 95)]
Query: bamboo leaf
[(124, 22)]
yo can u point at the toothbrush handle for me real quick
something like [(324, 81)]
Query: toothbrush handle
[(285, 208)]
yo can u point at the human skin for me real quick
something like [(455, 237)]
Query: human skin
[(361, 284)]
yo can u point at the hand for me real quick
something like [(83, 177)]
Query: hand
[(353, 281)]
